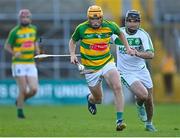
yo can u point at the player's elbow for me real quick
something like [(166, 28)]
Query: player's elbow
[(7, 46), (72, 42)]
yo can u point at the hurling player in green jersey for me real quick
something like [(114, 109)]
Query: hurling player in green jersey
[(22, 45), (94, 36)]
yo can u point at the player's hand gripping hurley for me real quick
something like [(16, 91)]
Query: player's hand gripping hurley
[(82, 69)]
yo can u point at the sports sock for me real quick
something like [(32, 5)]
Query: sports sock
[(139, 104), (148, 123), (20, 112), (119, 116)]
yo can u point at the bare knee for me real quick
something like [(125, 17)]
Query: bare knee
[(143, 96)]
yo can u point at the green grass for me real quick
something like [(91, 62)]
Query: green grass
[(63, 121)]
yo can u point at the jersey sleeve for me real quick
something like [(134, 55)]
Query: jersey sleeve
[(114, 37), (147, 43), (37, 34), (76, 34), (11, 37), (116, 29)]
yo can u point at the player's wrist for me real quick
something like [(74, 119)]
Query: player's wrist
[(73, 54)]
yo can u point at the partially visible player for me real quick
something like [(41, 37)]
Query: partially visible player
[(133, 70), (94, 36), (22, 45)]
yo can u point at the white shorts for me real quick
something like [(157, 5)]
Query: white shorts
[(24, 70), (143, 76), (94, 78)]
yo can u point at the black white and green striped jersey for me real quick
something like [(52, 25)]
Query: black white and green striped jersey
[(141, 41), (95, 43)]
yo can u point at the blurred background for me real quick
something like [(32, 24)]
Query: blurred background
[(60, 81)]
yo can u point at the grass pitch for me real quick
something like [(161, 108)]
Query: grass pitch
[(76, 121)]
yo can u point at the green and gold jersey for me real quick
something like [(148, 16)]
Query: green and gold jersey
[(95, 43), (22, 39)]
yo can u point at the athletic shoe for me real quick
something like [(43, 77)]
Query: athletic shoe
[(91, 107), (142, 113), (21, 116), (120, 125), (150, 127)]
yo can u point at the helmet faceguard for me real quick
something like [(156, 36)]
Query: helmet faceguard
[(25, 17), (95, 16), (132, 21)]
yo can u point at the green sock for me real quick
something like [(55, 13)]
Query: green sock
[(20, 112), (119, 116)]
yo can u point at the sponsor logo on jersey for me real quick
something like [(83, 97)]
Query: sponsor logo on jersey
[(99, 46), (27, 44)]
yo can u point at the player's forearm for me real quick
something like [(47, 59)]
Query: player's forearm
[(145, 54), (124, 40), (72, 47), (8, 48)]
